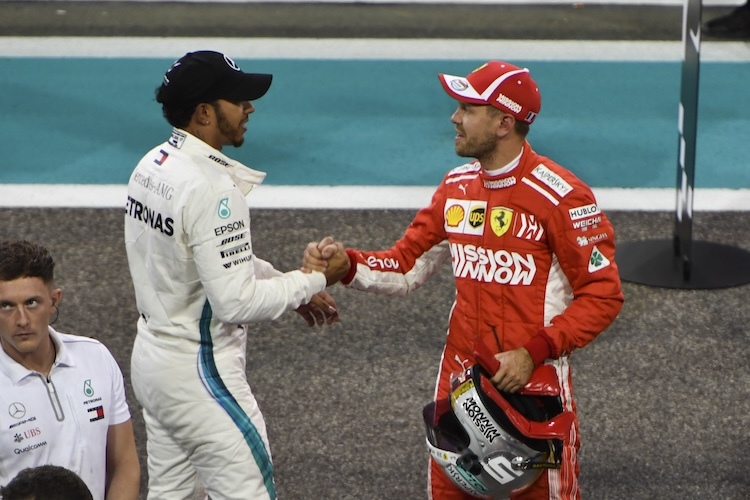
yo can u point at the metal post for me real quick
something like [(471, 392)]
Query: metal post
[(682, 262)]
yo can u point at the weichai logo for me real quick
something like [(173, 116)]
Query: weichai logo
[(498, 266)]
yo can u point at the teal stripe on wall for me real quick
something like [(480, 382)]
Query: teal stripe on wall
[(372, 122)]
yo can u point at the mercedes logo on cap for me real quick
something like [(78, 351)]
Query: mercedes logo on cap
[(17, 410)]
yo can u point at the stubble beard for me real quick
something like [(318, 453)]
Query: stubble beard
[(477, 148), (234, 134)]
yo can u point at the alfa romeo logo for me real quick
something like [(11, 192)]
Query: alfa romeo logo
[(17, 410)]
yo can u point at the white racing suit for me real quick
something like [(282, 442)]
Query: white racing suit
[(197, 282)]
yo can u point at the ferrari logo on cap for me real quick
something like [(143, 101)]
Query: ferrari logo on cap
[(500, 219)]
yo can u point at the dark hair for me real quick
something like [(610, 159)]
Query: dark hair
[(522, 128), (46, 482), (178, 115), (23, 259)]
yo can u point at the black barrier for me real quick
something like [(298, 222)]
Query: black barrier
[(682, 262)]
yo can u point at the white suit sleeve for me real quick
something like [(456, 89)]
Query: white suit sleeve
[(264, 269), (217, 227)]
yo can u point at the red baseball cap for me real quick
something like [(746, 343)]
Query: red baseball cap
[(499, 84)]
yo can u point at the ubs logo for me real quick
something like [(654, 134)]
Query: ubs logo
[(17, 410)]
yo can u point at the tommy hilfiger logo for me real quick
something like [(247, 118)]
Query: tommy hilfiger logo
[(99, 413)]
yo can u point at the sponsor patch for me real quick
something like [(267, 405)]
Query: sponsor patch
[(585, 224), (237, 262), (19, 451), (96, 413), (232, 239), (25, 421), (464, 216), (597, 260), (176, 139), (150, 217), (551, 179), (387, 263), (584, 241), (508, 103), (500, 183), (500, 220), (492, 266), (28, 434), (218, 160), (526, 227), (160, 160), (231, 252), (156, 186), (16, 410), (224, 211), (229, 228), (476, 217), (459, 84), (584, 211)]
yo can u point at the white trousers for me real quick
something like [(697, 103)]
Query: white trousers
[(203, 424)]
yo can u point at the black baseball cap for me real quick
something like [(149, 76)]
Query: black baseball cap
[(205, 76)]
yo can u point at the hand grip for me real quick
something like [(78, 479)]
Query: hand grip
[(485, 358)]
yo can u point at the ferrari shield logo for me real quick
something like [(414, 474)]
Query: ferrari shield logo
[(500, 220)]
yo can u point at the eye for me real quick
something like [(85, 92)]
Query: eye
[(32, 303), (5, 306)]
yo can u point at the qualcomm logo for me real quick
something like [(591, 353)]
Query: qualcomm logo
[(499, 266)]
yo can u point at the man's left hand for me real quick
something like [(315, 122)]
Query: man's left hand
[(515, 370), (320, 310)]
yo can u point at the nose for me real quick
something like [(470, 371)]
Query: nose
[(248, 107), (23, 317), (455, 116)]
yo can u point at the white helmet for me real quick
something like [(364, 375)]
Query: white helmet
[(492, 444)]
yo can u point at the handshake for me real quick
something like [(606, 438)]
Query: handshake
[(328, 257)]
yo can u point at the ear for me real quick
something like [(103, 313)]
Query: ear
[(505, 125), (56, 296), (203, 113)]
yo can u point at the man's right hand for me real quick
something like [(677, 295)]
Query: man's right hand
[(327, 256)]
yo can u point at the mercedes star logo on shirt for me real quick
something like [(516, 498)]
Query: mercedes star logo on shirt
[(17, 410)]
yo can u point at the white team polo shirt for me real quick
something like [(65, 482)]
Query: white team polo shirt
[(61, 420)]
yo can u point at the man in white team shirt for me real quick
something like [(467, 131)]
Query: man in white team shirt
[(198, 285), (62, 399)]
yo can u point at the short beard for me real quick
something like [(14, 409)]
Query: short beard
[(479, 149), (226, 128)]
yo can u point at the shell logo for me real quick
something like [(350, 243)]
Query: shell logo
[(454, 215)]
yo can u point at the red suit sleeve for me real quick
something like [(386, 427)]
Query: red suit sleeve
[(583, 240)]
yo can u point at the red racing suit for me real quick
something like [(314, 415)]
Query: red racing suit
[(534, 262)]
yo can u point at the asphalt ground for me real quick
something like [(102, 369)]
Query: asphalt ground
[(663, 394)]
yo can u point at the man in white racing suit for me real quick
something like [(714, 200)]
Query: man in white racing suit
[(198, 284)]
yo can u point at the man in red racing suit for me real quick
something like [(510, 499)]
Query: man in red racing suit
[(531, 252)]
